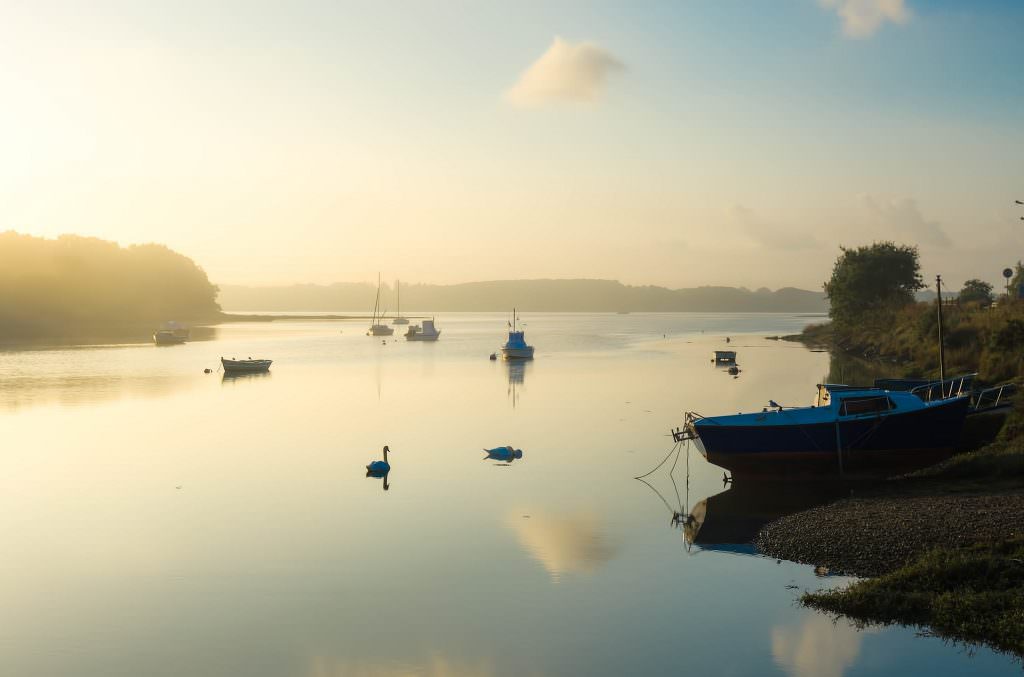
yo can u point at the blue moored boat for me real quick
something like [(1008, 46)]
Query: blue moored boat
[(849, 431), (516, 347)]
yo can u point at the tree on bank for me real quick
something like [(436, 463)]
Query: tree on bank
[(976, 291), (870, 283)]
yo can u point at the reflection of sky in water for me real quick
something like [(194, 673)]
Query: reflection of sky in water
[(562, 544), (277, 556), (817, 647)]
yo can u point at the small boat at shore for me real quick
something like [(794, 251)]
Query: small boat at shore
[(724, 357), (426, 332), (848, 431), (249, 366), (515, 347), (171, 333)]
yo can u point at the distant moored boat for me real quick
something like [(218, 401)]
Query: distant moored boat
[(377, 326), (249, 366), (516, 348), (170, 333), (427, 332), (399, 319)]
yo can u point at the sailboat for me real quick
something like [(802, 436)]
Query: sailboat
[(399, 319), (377, 328)]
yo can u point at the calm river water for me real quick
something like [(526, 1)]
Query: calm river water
[(157, 520)]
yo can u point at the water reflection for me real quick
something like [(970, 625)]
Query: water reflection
[(436, 665), (516, 373), (232, 378), (730, 520), (27, 390), (818, 647), (565, 544), (381, 476)]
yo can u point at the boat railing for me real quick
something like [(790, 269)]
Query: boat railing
[(942, 390), (993, 397)]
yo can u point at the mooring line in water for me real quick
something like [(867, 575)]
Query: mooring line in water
[(671, 451), (658, 494)]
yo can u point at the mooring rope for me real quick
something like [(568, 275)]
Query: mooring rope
[(671, 451)]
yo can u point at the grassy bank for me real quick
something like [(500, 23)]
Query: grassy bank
[(973, 594), (989, 341)]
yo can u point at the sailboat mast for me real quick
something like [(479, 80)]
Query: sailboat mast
[(376, 301)]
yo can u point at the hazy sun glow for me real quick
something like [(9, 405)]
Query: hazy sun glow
[(679, 145)]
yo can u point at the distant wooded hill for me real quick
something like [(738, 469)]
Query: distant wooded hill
[(528, 295), (78, 285)]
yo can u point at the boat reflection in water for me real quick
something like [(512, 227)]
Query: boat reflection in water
[(730, 520), (516, 377), (232, 377)]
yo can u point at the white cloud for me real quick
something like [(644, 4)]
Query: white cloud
[(565, 72), (902, 217), (862, 18)]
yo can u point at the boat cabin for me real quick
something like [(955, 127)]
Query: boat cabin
[(725, 356)]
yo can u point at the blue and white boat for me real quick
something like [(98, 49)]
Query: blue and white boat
[(849, 430), (515, 347)]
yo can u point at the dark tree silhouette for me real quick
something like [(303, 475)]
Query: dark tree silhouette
[(74, 284)]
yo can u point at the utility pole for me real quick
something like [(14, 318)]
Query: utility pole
[(942, 352)]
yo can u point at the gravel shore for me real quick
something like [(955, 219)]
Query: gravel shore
[(872, 536)]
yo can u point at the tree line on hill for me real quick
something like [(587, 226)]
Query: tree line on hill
[(529, 295), (75, 285)]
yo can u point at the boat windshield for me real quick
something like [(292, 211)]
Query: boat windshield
[(865, 405)]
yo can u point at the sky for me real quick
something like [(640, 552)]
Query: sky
[(670, 143)]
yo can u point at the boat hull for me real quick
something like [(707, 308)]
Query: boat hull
[(168, 339), (870, 445), (380, 330), (517, 353), (246, 366), (423, 337)]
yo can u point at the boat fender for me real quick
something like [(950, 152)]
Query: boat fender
[(207, 370)]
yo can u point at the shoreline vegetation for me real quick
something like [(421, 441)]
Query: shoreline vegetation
[(943, 547), (80, 287), (81, 290)]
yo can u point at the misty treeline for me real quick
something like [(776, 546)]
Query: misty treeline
[(527, 295), (69, 285)]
